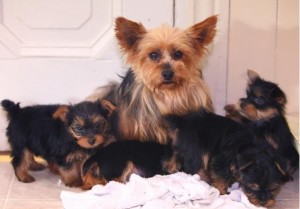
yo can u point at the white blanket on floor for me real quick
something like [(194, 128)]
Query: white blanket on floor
[(177, 190)]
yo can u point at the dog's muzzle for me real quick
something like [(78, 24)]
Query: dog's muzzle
[(91, 141), (167, 75)]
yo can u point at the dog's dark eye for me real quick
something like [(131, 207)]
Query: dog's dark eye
[(272, 189), (259, 100), (154, 56), (177, 55), (78, 128), (96, 126)]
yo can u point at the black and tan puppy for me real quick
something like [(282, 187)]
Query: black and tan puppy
[(263, 111), (63, 135), (223, 151), (121, 158)]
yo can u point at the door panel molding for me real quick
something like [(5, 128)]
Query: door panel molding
[(37, 29)]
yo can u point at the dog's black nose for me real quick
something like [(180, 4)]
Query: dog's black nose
[(263, 202), (264, 197), (167, 74), (91, 141)]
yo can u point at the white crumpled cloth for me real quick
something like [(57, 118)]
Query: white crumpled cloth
[(179, 190)]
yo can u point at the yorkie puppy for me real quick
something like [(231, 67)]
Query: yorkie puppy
[(120, 159), (263, 111), (223, 151), (63, 135), (164, 78)]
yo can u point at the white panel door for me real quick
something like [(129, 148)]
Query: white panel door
[(59, 51)]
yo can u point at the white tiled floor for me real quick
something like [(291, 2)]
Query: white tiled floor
[(44, 193)]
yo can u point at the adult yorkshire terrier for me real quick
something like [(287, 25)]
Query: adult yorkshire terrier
[(63, 135), (164, 77)]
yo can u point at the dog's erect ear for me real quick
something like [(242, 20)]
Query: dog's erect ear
[(204, 32), (278, 95), (128, 33), (61, 113), (252, 75), (107, 105)]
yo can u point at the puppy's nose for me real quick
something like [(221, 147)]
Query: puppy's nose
[(167, 74), (264, 198), (263, 202), (91, 141)]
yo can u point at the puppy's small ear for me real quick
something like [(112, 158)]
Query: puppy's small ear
[(281, 100), (61, 113), (204, 32), (128, 33), (107, 105), (278, 95), (252, 75)]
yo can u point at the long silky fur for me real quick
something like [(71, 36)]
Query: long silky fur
[(144, 96)]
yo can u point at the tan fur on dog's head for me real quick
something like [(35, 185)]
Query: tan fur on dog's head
[(137, 42), (87, 122), (166, 59), (165, 75)]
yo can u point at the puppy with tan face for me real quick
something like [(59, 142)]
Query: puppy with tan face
[(63, 135), (87, 122)]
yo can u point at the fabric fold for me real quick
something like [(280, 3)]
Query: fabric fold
[(179, 190)]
